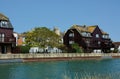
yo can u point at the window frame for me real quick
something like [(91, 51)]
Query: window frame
[(4, 24), (71, 42), (2, 37), (71, 34), (97, 36)]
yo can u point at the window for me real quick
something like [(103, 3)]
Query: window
[(71, 42), (97, 35), (4, 24), (105, 36), (2, 36), (88, 42), (71, 35), (88, 34), (99, 42), (84, 34)]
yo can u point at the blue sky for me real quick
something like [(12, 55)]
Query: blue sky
[(27, 14)]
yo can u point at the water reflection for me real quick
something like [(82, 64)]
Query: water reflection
[(58, 69)]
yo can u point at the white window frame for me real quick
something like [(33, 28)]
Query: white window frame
[(71, 42), (4, 24), (71, 35), (105, 36), (97, 35), (84, 33), (99, 42), (2, 37)]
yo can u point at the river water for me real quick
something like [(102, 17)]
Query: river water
[(75, 69)]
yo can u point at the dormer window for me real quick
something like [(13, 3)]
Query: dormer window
[(105, 36), (97, 35), (4, 24), (84, 34), (88, 34)]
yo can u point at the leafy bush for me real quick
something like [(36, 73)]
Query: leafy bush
[(115, 50), (24, 49), (76, 48)]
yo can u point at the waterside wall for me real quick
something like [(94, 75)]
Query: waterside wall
[(59, 56)]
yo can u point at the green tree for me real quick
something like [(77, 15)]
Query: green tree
[(76, 48), (42, 37)]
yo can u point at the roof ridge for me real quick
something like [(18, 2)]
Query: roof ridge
[(3, 17)]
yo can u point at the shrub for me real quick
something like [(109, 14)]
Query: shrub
[(115, 50), (76, 48), (24, 49)]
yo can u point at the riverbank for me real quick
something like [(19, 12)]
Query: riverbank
[(56, 56)]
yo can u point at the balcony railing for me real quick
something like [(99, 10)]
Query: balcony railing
[(7, 40), (96, 45), (93, 45)]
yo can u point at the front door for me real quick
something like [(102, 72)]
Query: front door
[(3, 49)]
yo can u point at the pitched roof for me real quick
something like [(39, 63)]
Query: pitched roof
[(3, 17), (91, 28), (85, 28), (79, 28)]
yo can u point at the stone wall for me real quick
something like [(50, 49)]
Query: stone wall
[(59, 55)]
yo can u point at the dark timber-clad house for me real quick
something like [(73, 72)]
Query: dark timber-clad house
[(88, 37), (7, 39)]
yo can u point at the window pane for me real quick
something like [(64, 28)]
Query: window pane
[(71, 42), (4, 24), (3, 35), (97, 35), (71, 35)]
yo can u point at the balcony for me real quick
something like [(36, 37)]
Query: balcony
[(93, 45), (8, 40)]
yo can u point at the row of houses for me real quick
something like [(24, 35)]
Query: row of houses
[(89, 38)]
